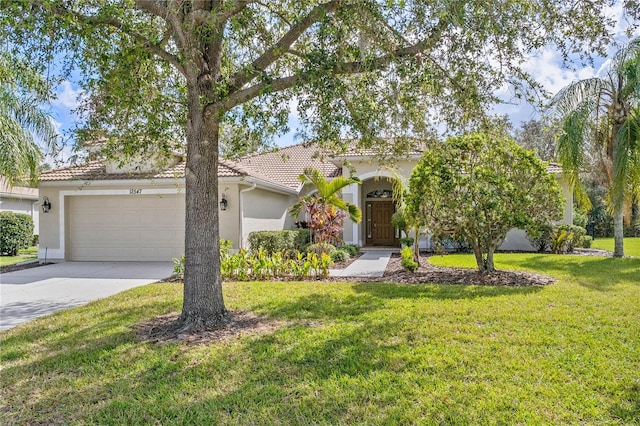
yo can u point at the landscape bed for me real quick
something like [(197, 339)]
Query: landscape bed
[(346, 352)]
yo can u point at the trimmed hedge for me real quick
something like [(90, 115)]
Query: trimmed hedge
[(16, 232), (290, 240)]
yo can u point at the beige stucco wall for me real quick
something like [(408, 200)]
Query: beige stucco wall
[(266, 211)]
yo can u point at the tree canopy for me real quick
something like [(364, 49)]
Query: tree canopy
[(157, 72), (479, 186)]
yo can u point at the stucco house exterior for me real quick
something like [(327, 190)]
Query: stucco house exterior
[(20, 199), (103, 211)]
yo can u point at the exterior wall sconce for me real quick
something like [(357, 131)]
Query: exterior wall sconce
[(223, 203), (46, 205)]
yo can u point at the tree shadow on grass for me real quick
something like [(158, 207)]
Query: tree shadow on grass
[(440, 291), (594, 273)]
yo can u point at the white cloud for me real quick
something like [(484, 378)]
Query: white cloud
[(67, 96)]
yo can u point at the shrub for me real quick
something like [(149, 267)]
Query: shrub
[(225, 246), (575, 236), (320, 248), (585, 241), (352, 249), (246, 266), (36, 240), (406, 242), (407, 259), (560, 240), (632, 230), (289, 240), (17, 232), (540, 237), (340, 255)]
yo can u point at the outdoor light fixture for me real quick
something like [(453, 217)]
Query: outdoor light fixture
[(223, 203), (46, 204)]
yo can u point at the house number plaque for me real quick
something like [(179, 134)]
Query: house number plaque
[(135, 191)]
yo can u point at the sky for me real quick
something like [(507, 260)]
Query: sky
[(546, 66)]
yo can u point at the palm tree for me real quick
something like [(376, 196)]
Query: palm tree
[(21, 119), (325, 202), (601, 129)]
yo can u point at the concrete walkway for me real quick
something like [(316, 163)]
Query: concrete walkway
[(371, 264), (31, 293)]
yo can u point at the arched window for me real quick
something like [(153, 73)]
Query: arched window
[(380, 193)]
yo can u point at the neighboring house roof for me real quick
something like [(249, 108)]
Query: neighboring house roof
[(21, 192)]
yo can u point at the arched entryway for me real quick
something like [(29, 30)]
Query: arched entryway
[(378, 207)]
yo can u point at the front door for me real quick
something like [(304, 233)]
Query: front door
[(379, 230)]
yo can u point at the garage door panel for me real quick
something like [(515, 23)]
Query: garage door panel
[(126, 228)]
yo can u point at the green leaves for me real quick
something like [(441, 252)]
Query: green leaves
[(477, 187)]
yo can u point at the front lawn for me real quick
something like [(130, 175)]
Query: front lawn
[(631, 245), (30, 253), (351, 353)]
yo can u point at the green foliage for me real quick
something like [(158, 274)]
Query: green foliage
[(17, 232), (254, 265), (477, 187), (399, 221), (324, 210), (576, 234), (406, 242), (407, 259), (352, 249), (22, 91), (579, 217), (179, 262), (36, 240), (560, 240), (290, 240), (319, 248), (540, 237), (586, 241), (340, 255), (601, 129)]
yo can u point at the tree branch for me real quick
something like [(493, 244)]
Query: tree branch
[(345, 68), (247, 74)]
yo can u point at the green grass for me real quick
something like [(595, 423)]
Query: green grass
[(30, 253), (351, 353), (631, 245)]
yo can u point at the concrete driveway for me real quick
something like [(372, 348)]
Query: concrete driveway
[(31, 293)]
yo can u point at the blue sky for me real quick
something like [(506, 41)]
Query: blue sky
[(546, 66)]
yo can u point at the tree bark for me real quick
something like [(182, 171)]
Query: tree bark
[(203, 305), (618, 227)]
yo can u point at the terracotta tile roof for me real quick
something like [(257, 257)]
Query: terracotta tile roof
[(396, 148), (287, 163), (280, 168)]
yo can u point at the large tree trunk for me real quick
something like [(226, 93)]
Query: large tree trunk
[(618, 227), (203, 305)]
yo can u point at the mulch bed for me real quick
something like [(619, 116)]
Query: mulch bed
[(13, 268), (428, 273), (162, 329)]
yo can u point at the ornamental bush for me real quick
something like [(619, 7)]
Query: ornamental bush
[(407, 259), (476, 187), (16, 232), (288, 241)]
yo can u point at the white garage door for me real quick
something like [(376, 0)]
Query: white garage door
[(125, 228)]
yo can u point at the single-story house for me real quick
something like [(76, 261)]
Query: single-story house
[(102, 210), (20, 199)]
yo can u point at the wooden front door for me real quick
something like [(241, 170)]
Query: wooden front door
[(379, 230)]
